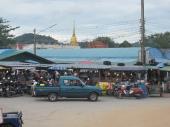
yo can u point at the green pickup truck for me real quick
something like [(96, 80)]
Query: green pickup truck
[(70, 87)]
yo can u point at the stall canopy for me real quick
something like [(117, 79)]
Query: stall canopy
[(167, 68), (21, 65), (17, 65), (3, 68), (97, 66), (128, 68), (78, 66)]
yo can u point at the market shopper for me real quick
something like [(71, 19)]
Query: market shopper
[(144, 88)]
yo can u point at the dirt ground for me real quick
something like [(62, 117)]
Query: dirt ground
[(107, 112)]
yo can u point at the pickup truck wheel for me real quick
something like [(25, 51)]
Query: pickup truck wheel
[(52, 97), (93, 97)]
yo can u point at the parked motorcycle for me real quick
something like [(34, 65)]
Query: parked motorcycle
[(9, 88), (129, 91), (1, 89)]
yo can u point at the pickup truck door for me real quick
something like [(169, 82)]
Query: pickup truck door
[(74, 89)]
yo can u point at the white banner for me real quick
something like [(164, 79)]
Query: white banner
[(1, 117)]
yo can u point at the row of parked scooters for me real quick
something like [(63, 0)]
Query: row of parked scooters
[(10, 87), (135, 90)]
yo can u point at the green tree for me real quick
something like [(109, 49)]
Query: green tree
[(125, 44), (159, 40), (106, 40), (6, 39), (83, 44)]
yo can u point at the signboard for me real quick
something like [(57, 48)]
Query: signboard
[(1, 117)]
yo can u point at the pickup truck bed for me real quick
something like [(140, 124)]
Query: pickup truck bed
[(44, 91)]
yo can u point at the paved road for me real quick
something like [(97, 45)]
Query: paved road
[(38, 112)]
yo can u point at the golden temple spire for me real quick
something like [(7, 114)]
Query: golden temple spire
[(74, 32), (73, 40)]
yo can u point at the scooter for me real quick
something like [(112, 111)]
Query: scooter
[(116, 90), (130, 91), (1, 89), (5, 88)]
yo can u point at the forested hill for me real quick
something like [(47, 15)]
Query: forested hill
[(29, 38), (159, 40)]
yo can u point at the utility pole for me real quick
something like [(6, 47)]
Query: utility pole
[(34, 41), (142, 41)]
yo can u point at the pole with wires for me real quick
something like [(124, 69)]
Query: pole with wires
[(34, 41), (142, 41)]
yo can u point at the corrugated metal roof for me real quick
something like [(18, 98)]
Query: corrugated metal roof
[(3, 50), (155, 53), (90, 53), (8, 53), (167, 68), (18, 55), (159, 55)]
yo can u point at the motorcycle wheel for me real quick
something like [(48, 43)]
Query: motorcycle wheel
[(138, 96), (8, 94), (119, 95), (109, 92)]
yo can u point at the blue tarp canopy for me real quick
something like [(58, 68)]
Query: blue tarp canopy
[(160, 65)]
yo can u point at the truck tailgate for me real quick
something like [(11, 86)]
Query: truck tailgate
[(44, 91)]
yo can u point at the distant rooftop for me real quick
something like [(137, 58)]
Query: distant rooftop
[(115, 55), (96, 55), (22, 56)]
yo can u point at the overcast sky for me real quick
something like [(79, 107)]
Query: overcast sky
[(118, 19)]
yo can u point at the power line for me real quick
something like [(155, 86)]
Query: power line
[(38, 33), (46, 28)]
